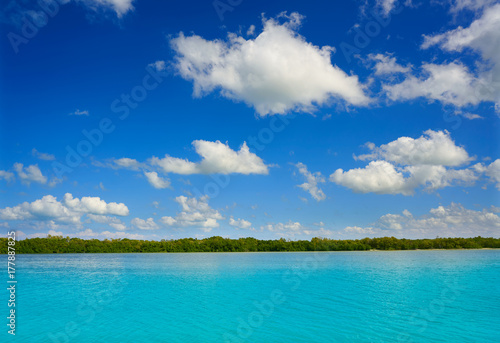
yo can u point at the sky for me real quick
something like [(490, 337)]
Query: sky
[(286, 119)]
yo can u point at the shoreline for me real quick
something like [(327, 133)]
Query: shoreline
[(247, 252)]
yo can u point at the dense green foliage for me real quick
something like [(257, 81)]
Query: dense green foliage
[(57, 244)]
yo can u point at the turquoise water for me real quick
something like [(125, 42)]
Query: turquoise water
[(405, 296)]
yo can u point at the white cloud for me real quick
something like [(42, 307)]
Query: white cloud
[(120, 163), (29, 174), (148, 224), (240, 223), (158, 65), (16, 11), (79, 113), (386, 64), (320, 233), (311, 185), (450, 83), (432, 148), (157, 181), (251, 30), (42, 155), (289, 229), (127, 163), (470, 116), (69, 211), (451, 221), (168, 221), (114, 222), (483, 37), (280, 227), (378, 177), (474, 5), (217, 157), (276, 72), (492, 171), (88, 234), (47, 208), (387, 5), (54, 181), (195, 213), (361, 230), (120, 7), (6, 175), (94, 205), (436, 177), (405, 164)]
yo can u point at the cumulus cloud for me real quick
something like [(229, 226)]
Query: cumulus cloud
[(276, 72), (148, 224), (108, 220), (436, 177), (450, 83), (216, 157), (281, 227), (379, 177), (29, 174), (482, 36), (6, 175), (368, 231), (492, 171), (157, 181), (432, 148), (451, 221), (42, 155), (386, 64), (69, 211), (405, 164), (47, 208), (387, 5), (195, 212), (94, 205), (311, 184), (240, 223)]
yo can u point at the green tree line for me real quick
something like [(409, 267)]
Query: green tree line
[(59, 244)]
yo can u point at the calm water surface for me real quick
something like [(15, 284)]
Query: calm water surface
[(405, 296)]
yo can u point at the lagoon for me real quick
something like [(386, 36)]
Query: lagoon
[(371, 296)]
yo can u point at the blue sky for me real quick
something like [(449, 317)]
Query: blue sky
[(161, 120)]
